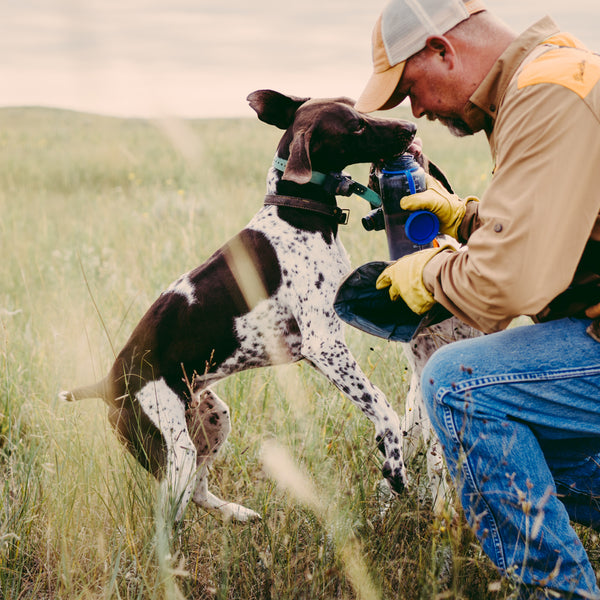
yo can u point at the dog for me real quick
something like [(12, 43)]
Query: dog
[(264, 298)]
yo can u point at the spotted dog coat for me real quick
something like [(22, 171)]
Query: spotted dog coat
[(264, 298)]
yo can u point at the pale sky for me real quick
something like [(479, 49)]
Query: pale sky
[(201, 58)]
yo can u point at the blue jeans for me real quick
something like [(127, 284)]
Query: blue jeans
[(518, 415)]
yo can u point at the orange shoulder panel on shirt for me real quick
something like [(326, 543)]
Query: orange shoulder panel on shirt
[(576, 70)]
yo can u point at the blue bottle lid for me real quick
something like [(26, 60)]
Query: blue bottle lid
[(422, 227)]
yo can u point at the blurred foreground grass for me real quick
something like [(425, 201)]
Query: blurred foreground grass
[(98, 215)]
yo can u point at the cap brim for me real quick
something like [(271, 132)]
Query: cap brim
[(379, 90)]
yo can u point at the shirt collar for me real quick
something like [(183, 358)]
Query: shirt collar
[(489, 94)]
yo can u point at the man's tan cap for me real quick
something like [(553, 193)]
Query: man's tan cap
[(400, 32)]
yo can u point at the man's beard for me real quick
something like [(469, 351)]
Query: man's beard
[(457, 127)]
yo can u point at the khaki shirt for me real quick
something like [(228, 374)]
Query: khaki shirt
[(527, 235)]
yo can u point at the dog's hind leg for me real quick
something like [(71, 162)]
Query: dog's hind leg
[(418, 434), (416, 425), (412, 429), (166, 411), (209, 425)]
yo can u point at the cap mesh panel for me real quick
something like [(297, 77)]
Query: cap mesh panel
[(406, 24)]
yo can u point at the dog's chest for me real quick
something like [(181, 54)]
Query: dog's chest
[(306, 256), (310, 266), (272, 332)]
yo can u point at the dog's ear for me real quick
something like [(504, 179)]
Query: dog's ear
[(298, 168), (275, 108)]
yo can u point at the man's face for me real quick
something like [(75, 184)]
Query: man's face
[(436, 92)]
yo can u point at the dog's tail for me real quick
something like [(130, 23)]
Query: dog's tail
[(97, 390)]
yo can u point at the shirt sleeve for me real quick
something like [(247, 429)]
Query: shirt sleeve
[(535, 217)]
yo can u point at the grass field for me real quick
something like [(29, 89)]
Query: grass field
[(98, 215)]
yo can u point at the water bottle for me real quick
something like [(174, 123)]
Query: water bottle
[(406, 231)]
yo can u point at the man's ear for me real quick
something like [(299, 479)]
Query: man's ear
[(441, 46)]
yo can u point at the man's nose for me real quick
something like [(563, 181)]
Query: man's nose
[(417, 110)]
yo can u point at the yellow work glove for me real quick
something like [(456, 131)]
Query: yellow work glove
[(448, 208), (405, 279)]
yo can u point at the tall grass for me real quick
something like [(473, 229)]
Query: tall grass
[(98, 215)]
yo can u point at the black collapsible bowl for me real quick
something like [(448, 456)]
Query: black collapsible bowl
[(360, 304)]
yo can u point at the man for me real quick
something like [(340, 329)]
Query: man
[(518, 412)]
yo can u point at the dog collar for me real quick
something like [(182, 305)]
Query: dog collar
[(339, 215), (340, 184)]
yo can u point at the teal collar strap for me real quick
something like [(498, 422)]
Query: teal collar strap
[(337, 183), (316, 178)]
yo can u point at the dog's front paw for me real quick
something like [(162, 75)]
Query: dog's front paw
[(393, 468), (396, 476)]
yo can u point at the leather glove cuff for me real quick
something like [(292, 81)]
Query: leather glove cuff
[(405, 280)]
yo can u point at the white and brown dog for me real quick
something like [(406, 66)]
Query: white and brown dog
[(264, 298)]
